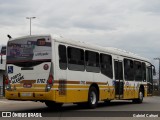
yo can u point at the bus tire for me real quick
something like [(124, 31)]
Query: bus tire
[(140, 97), (92, 98), (53, 105)]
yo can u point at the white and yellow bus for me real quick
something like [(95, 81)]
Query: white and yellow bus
[(57, 71)]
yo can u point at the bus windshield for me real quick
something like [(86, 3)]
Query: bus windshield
[(31, 49)]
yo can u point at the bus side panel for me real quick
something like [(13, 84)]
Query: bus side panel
[(77, 86), (106, 90), (71, 93), (58, 75), (129, 90), (145, 91), (70, 85)]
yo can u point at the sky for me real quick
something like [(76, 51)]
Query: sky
[(132, 25)]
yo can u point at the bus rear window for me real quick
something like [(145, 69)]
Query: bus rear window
[(28, 49)]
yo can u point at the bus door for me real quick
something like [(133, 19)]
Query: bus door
[(119, 83), (149, 81)]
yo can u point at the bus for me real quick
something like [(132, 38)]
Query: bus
[(57, 71)]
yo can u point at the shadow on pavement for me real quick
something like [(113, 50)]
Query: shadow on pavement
[(74, 107)]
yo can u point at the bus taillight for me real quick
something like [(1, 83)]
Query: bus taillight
[(7, 81), (50, 80), (7, 84), (49, 83)]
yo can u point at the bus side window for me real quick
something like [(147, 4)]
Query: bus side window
[(62, 57), (144, 72), (128, 70), (75, 59), (92, 61), (106, 65), (138, 71)]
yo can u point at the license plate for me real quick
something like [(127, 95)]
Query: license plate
[(26, 94), (27, 85)]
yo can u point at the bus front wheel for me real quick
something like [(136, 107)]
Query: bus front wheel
[(140, 97), (53, 105)]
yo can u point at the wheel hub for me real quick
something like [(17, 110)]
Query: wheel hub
[(93, 97)]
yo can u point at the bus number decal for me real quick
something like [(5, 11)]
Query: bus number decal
[(82, 82), (41, 80)]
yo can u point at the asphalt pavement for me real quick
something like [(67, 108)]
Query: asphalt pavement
[(114, 110)]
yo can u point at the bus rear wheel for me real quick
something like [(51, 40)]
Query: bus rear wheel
[(92, 98), (53, 105)]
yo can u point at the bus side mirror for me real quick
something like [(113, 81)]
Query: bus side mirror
[(154, 71), (1, 59)]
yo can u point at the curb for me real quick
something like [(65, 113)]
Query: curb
[(2, 97)]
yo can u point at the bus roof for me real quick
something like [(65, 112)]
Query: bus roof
[(86, 45), (110, 50), (28, 36)]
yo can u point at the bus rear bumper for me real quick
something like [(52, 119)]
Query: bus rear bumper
[(30, 96)]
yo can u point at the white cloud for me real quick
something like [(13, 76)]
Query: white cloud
[(127, 24)]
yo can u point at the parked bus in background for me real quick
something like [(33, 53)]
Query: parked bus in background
[(58, 71), (3, 50), (2, 69)]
